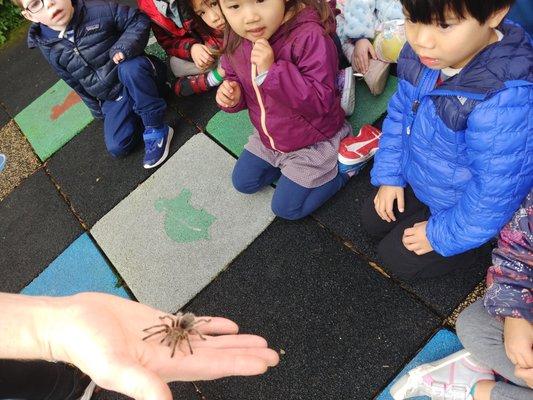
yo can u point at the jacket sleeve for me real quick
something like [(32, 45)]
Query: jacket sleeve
[(387, 168), (308, 85), (510, 279), (175, 46), (135, 31), (232, 76), (499, 148)]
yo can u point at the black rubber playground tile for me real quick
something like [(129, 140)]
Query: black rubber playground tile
[(93, 180), (342, 328), (180, 390), (35, 227), (198, 108), (24, 75), (342, 215), (4, 118)]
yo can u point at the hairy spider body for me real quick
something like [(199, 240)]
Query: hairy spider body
[(177, 330)]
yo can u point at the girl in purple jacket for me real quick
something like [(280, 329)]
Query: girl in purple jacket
[(281, 64)]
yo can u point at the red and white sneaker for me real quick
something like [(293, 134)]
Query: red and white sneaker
[(451, 378), (355, 151)]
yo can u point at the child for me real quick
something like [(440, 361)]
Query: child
[(281, 64), (499, 337), (456, 152), (97, 48), (360, 22), (192, 43)]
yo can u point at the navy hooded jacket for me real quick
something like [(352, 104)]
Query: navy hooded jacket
[(465, 147), (101, 29)]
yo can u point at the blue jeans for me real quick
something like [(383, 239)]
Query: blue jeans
[(139, 106), (291, 200)]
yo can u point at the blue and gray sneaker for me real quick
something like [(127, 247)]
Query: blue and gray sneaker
[(156, 145), (2, 161)]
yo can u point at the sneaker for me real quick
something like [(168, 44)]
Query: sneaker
[(376, 76), (451, 378), (346, 85), (156, 145), (2, 161), (189, 85), (88, 392), (355, 151)]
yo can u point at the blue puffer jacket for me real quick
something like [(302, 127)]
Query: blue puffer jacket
[(466, 147), (101, 29)]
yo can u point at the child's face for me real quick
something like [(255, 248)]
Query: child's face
[(54, 13), (210, 13), (254, 19), (453, 44)]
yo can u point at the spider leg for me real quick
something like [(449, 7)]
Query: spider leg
[(154, 333), (198, 321), (169, 317), (174, 347), (197, 332), (189, 343), (155, 326)]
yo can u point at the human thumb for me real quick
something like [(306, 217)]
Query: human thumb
[(137, 382)]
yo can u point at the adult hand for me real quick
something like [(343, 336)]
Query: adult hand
[(384, 201), (518, 341), (201, 56), (414, 239), (361, 55), (102, 335), (118, 57), (229, 94), (262, 55)]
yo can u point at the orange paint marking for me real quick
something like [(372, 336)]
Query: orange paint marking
[(71, 100)]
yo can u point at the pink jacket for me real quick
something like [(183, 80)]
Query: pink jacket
[(297, 105)]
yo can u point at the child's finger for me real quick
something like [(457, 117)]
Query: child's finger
[(388, 209), (372, 52), (401, 201)]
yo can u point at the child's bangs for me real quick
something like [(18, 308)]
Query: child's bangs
[(433, 11)]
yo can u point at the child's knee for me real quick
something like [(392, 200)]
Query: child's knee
[(467, 328), (283, 210), (131, 67), (241, 184)]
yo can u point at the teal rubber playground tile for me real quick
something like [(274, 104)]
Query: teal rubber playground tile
[(53, 119), (80, 268), (233, 130), (173, 234), (441, 345)]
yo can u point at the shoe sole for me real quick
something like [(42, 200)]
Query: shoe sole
[(88, 393), (348, 97), (399, 389), (165, 154)]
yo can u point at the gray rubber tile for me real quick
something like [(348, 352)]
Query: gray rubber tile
[(35, 227), (16, 58), (93, 180), (180, 391), (198, 108), (344, 328), (171, 236), (342, 214)]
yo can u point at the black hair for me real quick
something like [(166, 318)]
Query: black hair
[(431, 11)]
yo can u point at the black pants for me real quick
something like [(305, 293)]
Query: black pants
[(38, 380), (393, 255)]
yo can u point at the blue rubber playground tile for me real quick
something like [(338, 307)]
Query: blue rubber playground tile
[(80, 268), (342, 328), (441, 345), (93, 180), (24, 75), (35, 227), (342, 216)]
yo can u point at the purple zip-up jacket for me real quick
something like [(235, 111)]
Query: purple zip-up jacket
[(298, 99)]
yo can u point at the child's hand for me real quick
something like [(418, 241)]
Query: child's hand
[(118, 57), (201, 56), (360, 59), (518, 341), (526, 374), (228, 94), (414, 239), (262, 55), (384, 201)]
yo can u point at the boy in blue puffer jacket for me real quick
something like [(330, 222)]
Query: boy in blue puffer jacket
[(456, 155), (97, 48)]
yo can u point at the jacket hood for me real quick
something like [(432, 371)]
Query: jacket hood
[(306, 16)]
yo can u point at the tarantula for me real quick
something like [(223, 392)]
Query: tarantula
[(181, 325)]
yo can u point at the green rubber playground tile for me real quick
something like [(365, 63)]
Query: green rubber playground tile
[(173, 234), (53, 119), (156, 50), (233, 130)]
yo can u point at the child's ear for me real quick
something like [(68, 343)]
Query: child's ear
[(498, 16)]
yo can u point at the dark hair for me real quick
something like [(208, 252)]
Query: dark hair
[(430, 11), (199, 23), (322, 7), (18, 3)]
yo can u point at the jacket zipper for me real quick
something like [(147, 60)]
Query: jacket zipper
[(262, 108)]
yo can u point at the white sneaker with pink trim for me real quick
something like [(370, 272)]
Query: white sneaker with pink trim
[(451, 378)]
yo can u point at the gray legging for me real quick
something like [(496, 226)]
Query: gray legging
[(482, 336)]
